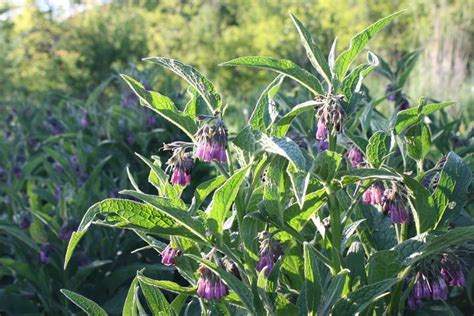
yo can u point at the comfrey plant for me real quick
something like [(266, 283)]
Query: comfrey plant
[(340, 224)]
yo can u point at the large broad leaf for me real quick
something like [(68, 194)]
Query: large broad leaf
[(313, 278), (297, 216), (125, 212), (383, 265), (205, 188), (223, 199), (284, 147), (265, 112), (315, 55), (358, 43), (378, 149), (155, 299), (332, 292), (282, 126), (453, 183), (418, 140), (202, 85), (353, 81), (242, 290), (410, 116), (130, 304), (422, 204), (354, 175), (327, 164), (283, 66), (166, 285), (163, 106), (358, 300), (405, 66), (87, 305)]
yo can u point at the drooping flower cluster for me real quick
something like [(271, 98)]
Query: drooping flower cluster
[(212, 142), (181, 164), (433, 278), (392, 93), (168, 254), (23, 219), (394, 203), (373, 195), (270, 251), (355, 157), (329, 116), (210, 286)]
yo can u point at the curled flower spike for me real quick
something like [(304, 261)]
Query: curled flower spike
[(373, 195), (355, 156), (181, 163), (210, 286), (270, 251), (168, 254), (394, 203), (452, 269), (329, 116), (211, 142)]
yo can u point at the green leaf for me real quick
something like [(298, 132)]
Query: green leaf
[(163, 106), (193, 77), (282, 126), (283, 66), (87, 305), (378, 149), (327, 164), (223, 199), (130, 305), (358, 43), (298, 216), (167, 285), (195, 105), (410, 116), (418, 139), (332, 292), (422, 204), (453, 184), (377, 230), (315, 55), (204, 189), (312, 277), (178, 303), (20, 235), (353, 81), (155, 299), (242, 290), (357, 301), (247, 139), (129, 212), (286, 148), (406, 65), (171, 209), (383, 265), (354, 175), (263, 114)]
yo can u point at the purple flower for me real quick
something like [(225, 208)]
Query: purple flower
[(65, 232), (209, 285), (23, 219), (17, 171), (129, 100), (373, 195), (130, 138), (355, 156), (322, 131), (168, 254), (212, 142), (270, 251), (2, 172), (45, 249), (323, 146), (84, 121), (151, 121), (452, 270), (414, 302), (403, 105), (439, 289), (58, 167), (391, 93), (82, 259), (181, 163), (57, 193), (394, 203)]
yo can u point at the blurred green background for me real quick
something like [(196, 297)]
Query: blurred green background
[(67, 48)]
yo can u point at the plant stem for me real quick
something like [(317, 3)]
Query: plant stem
[(332, 140), (222, 170), (403, 232), (229, 161), (336, 229)]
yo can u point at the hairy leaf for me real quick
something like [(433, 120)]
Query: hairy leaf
[(90, 307)]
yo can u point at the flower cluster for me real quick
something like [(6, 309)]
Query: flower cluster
[(168, 254), (373, 195), (355, 157), (394, 202), (210, 286), (181, 164), (270, 251), (66, 230), (23, 219), (330, 116), (434, 277), (212, 142)]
